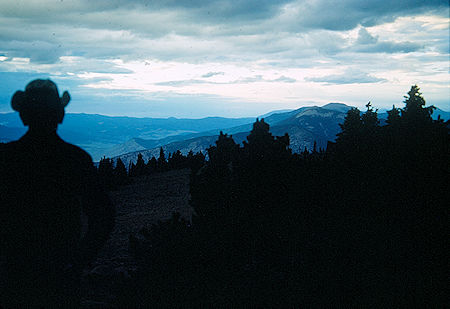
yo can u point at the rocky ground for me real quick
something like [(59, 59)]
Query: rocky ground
[(140, 204)]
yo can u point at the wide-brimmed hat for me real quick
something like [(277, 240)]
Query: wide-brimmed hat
[(39, 94)]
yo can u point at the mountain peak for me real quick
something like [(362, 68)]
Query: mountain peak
[(339, 107), (316, 111)]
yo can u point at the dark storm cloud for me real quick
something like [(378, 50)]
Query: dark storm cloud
[(321, 14), (183, 16), (347, 14), (42, 52), (211, 9), (192, 29)]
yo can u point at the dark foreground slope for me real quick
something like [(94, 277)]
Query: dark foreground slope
[(139, 204)]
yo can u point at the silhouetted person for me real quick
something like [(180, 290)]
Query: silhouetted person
[(46, 185)]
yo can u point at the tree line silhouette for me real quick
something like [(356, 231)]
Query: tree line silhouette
[(115, 174), (360, 224)]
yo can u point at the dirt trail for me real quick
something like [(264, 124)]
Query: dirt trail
[(140, 204)]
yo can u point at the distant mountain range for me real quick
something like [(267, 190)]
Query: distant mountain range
[(97, 134), (305, 126), (127, 136)]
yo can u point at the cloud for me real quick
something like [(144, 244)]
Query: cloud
[(189, 82), (284, 79), (216, 30), (349, 77), (301, 14), (211, 74), (392, 47), (247, 50), (348, 14), (370, 44), (364, 37), (182, 83), (260, 79), (245, 80), (37, 51)]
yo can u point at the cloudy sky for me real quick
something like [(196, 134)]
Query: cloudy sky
[(233, 58)]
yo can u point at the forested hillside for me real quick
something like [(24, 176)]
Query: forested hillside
[(361, 224)]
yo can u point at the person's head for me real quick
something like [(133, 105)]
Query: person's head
[(39, 105)]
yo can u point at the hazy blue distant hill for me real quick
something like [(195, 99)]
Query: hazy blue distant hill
[(439, 112), (304, 126), (281, 111), (309, 125), (8, 134), (201, 142), (138, 144)]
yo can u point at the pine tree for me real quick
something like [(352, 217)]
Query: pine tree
[(369, 119), (177, 160), (259, 137), (351, 129), (106, 172), (140, 166), (393, 118), (152, 165), (105, 167), (162, 163), (120, 171), (225, 151), (415, 113)]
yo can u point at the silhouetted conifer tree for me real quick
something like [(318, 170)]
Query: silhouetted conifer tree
[(106, 172), (225, 151), (415, 113), (152, 165), (393, 118), (177, 160), (195, 161), (370, 120), (351, 129), (140, 168), (162, 163), (120, 172)]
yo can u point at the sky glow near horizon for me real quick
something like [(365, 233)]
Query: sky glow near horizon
[(225, 58)]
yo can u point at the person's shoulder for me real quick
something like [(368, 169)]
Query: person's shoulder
[(9, 147), (9, 154), (3, 148)]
